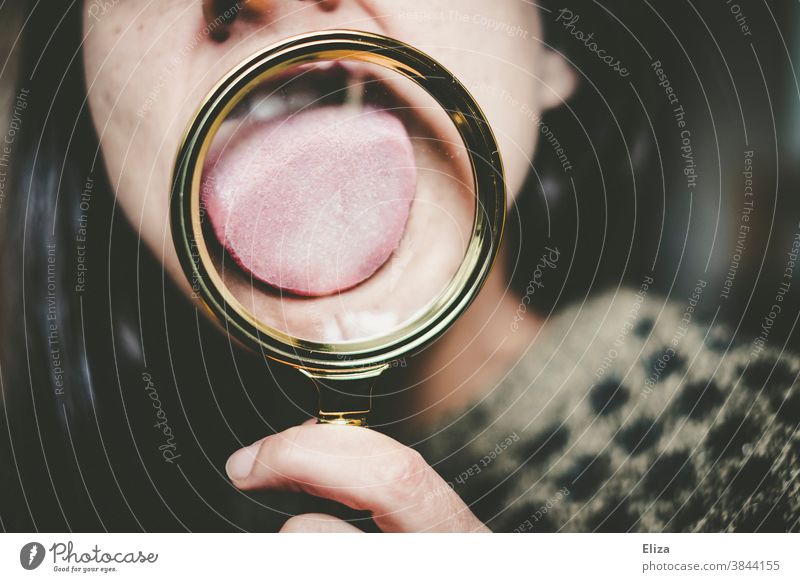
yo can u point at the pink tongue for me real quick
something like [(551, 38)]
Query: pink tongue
[(316, 202)]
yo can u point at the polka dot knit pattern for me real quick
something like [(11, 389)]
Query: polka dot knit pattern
[(619, 423)]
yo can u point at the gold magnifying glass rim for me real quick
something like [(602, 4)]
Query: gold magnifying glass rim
[(489, 186)]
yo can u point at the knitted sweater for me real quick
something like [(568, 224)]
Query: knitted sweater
[(630, 414)]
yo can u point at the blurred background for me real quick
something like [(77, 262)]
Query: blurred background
[(655, 197)]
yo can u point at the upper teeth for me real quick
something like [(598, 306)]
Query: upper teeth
[(269, 102), (275, 105)]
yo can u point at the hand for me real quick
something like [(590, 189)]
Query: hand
[(358, 467)]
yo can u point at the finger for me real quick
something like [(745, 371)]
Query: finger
[(318, 523), (360, 468)]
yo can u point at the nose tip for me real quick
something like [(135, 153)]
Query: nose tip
[(325, 4), (219, 15), (222, 13)]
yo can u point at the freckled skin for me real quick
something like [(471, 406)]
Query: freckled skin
[(149, 64)]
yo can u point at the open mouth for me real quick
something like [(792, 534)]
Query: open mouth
[(341, 197), (310, 181)]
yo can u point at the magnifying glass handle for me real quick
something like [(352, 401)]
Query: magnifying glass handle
[(344, 399)]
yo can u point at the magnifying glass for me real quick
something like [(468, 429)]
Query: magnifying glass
[(338, 201)]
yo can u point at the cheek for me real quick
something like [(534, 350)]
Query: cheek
[(512, 107), (508, 93), (493, 48), (141, 101)]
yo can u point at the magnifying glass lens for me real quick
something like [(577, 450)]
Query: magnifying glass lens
[(337, 201)]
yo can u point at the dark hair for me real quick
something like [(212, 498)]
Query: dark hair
[(94, 333), (592, 168)]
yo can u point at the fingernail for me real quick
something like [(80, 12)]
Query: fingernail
[(240, 463)]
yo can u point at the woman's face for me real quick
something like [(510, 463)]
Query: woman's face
[(149, 64)]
